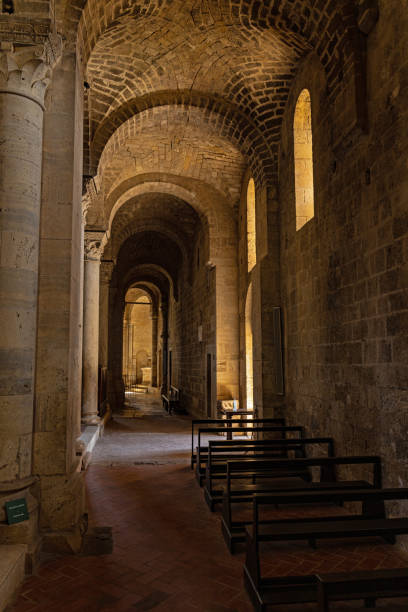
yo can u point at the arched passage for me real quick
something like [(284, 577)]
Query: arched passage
[(138, 332)]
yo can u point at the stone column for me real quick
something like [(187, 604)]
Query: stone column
[(94, 244), (25, 73), (165, 339), (106, 270), (154, 347)]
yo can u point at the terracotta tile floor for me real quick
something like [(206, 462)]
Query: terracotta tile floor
[(169, 554)]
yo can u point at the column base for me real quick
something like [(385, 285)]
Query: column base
[(91, 419), (86, 442), (27, 532), (12, 572), (63, 519)]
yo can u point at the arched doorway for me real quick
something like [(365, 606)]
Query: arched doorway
[(137, 340)]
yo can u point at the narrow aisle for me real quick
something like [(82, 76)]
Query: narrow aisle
[(168, 551)]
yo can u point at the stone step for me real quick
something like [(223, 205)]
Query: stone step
[(12, 571)]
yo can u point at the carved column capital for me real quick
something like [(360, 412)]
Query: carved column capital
[(90, 191), (94, 241), (86, 203), (26, 69)]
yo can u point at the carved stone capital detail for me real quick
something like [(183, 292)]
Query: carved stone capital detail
[(94, 241), (23, 31), (27, 69), (91, 190), (86, 203)]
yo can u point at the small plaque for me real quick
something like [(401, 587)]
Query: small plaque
[(16, 511)]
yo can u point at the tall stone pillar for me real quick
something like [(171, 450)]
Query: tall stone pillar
[(155, 321), (25, 72), (94, 244), (165, 342), (106, 270)]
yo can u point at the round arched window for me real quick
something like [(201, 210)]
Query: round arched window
[(303, 153)]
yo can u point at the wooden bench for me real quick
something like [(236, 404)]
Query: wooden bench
[(219, 456), (368, 585), (301, 589), (202, 455), (229, 415), (171, 400), (220, 424), (234, 531)]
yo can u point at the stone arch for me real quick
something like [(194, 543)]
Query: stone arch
[(332, 31), (308, 26), (157, 225), (173, 140), (224, 118), (151, 275), (212, 208), (151, 248), (148, 225), (152, 291), (158, 212), (136, 352)]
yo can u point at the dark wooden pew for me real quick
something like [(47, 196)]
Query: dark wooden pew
[(171, 400), (220, 424), (265, 429), (300, 589), (233, 494), (219, 456), (368, 585)]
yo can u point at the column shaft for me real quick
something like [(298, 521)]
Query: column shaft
[(165, 339), (25, 71), (90, 341), (154, 349), (21, 124)]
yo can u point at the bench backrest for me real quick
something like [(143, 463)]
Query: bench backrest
[(221, 423), (279, 429), (325, 496), (327, 467), (358, 585), (252, 562), (217, 448), (259, 500), (285, 444), (174, 394)]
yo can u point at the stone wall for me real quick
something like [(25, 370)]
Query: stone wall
[(344, 273), (195, 310), (59, 345)]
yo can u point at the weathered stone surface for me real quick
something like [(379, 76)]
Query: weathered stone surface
[(344, 274), (163, 111)]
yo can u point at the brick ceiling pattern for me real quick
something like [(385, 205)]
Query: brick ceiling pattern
[(162, 213), (195, 89), (232, 57), (174, 140)]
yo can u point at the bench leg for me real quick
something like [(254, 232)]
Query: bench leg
[(369, 602), (390, 538)]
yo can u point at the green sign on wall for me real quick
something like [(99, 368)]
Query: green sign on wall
[(16, 511)]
